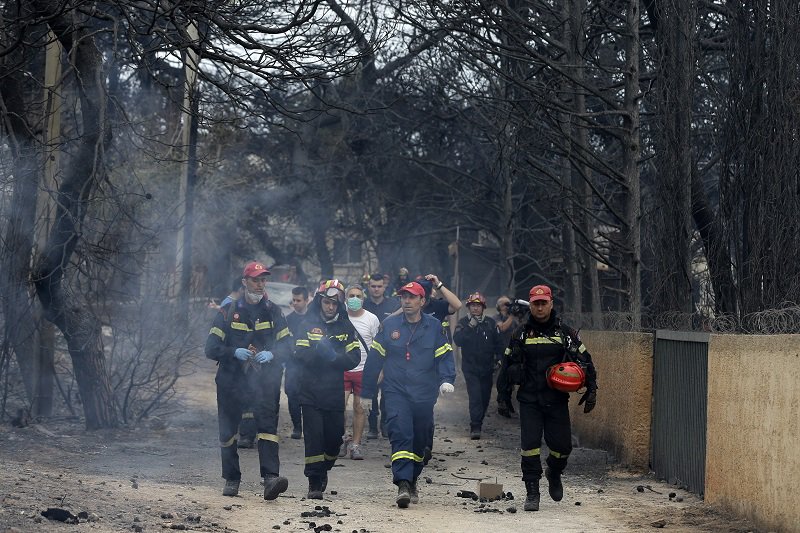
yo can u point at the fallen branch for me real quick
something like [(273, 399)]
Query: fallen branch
[(470, 478)]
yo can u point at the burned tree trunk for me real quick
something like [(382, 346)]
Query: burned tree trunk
[(80, 329), (20, 325)]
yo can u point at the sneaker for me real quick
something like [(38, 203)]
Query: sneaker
[(315, 489), (355, 452), (555, 488), (245, 442), (274, 485), (297, 433), (403, 494), (475, 434), (231, 487), (372, 434), (345, 447), (412, 492)]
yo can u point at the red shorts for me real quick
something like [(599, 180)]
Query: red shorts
[(352, 382)]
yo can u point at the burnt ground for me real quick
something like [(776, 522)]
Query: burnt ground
[(166, 475)]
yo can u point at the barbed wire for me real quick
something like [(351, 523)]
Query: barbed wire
[(784, 320)]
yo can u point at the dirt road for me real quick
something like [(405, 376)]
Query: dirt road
[(167, 476)]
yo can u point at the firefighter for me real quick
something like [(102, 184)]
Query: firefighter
[(326, 348), (542, 341), (249, 339), (417, 362), (481, 351)]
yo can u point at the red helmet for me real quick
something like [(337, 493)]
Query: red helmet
[(476, 298), (566, 376), (332, 288)]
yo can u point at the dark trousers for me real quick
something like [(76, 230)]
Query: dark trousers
[(322, 436), (247, 427), (292, 388), (479, 391), (236, 391), (552, 421), (410, 427)]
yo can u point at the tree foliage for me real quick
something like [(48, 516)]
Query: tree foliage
[(639, 157)]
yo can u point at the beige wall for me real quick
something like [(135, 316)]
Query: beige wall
[(620, 424), (753, 433), (753, 438)]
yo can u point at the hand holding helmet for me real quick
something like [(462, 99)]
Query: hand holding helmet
[(566, 377)]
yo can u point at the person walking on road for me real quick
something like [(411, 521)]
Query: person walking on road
[(367, 326), (416, 358), (481, 351), (535, 358), (326, 349), (249, 339), (291, 382), (380, 306)]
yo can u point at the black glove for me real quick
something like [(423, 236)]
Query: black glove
[(514, 373), (590, 398), (504, 408)]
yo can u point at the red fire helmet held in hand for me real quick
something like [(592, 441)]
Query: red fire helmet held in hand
[(566, 377)]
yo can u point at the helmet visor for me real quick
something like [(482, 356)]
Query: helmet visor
[(331, 292)]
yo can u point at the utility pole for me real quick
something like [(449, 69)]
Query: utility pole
[(183, 256)]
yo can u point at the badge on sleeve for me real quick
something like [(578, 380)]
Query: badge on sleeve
[(395, 335)]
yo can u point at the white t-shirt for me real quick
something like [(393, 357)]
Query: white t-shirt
[(367, 326)]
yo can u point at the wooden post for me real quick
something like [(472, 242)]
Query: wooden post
[(183, 255)]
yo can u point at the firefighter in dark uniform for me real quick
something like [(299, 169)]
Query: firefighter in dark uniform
[(417, 362), (537, 344), (481, 350), (249, 339), (326, 348)]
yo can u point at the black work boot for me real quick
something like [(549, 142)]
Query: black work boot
[(555, 488), (297, 432), (403, 493), (274, 485), (314, 488), (412, 492), (231, 487), (532, 499)]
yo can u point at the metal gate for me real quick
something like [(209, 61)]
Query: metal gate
[(680, 389)]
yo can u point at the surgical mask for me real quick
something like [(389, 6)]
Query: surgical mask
[(252, 297), (354, 303)]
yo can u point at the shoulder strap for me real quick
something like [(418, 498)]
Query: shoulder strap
[(361, 340), (358, 335)]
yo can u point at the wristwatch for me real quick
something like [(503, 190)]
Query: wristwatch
[(439, 286)]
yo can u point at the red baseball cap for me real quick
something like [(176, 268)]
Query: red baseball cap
[(254, 269), (539, 293), (413, 288)]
